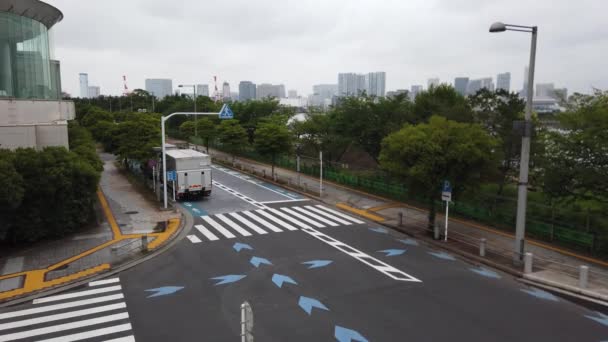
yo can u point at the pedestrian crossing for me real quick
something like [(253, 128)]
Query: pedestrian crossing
[(97, 313), (268, 220)]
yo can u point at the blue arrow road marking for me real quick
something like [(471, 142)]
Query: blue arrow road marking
[(238, 246), (486, 272), (409, 242), (393, 252), (255, 261), (163, 291), (442, 255), (317, 263), (196, 210), (279, 279), (379, 230), (188, 204), (600, 318), (227, 279), (538, 293), (347, 335), (308, 303)]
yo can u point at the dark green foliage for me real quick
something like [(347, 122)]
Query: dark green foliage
[(272, 139)]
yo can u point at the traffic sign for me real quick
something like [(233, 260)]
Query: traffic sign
[(226, 112), (171, 175), (446, 192)]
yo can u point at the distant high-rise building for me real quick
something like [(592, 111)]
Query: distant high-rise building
[(545, 90), (292, 94), (270, 90), (461, 84), (94, 92), (473, 87), (247, 91), (376, 83), (322, 94), (503, 81), (84, 85), (416, 89), (433, 82), (159, 87), (226, 90), (202, 90), (351, 84), (560, 94), (234, 96), (487, 83)]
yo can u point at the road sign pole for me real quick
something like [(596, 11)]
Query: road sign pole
[(321, 174), (447, 207), (162, 125)]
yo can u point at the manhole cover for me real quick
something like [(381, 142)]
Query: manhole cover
[(131, 212)]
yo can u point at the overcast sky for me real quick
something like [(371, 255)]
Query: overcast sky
[(306, 42)]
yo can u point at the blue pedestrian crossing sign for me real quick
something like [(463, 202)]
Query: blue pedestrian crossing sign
[(171, 176), (226, 112)]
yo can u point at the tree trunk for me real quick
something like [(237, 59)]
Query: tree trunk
[(207, 145), (272, 166)]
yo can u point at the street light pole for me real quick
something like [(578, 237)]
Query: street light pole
[(524, 164), (194, 90)]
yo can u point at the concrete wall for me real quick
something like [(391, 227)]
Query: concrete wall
[(34, 136), (19, 112)]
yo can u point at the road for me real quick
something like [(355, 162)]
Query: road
[(310, 273)]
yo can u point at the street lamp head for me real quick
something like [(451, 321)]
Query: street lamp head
[(180, 86), (498, 27)]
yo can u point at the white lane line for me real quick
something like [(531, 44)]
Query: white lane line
[(104, 282), (265, 223), (60, 306), (248, 223), (303, 218), (77, 294), (260, 185), (50, 318), (62, 327), (286, 201), (326, 214), (276, 220), (239, 195), (340, 214), (194, 239), (367, 259), (209, 235), (122, 339), (315, 216), (290, 219), (233, 225), (92, 333), (218, 227)]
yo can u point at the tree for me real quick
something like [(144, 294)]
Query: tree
[(232, 136), (272, 139), (444, 101), (576, 158), (497, 111), (427, 154), (367, 120), (207, 130), (136, 137), (11, 190), (186, 129)]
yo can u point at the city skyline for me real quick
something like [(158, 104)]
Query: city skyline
[(313, 51)]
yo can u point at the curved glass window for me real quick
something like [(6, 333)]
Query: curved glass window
[(25, 68)]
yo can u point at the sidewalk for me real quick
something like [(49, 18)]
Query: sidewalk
[(125, 219), (553, 266)]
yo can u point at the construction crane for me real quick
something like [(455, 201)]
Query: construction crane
[(216, 93), (125, 90)]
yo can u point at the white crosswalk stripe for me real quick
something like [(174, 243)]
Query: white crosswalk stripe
[(268, 220), (98, 312)]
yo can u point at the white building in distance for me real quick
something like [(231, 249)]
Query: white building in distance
[(159, 87)]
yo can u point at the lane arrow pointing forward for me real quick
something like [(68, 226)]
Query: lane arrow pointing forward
[(409, 242), (163, 291), (393, 252), (601, 318), (308, 303), (347, 335), (279, 279), (238, 246), (317, 263), (538, 293), (227, 279), (379, 230), (255, 261)]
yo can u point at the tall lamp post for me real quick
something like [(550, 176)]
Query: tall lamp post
[(522, 191), (194, 89)]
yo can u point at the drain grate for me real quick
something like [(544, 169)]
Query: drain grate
[(131, 212)]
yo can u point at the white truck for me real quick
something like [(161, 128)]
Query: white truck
[(192, 171)]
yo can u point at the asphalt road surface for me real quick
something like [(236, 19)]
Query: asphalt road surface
[(310, 273)]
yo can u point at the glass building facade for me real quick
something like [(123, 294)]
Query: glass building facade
[(26, 68)]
